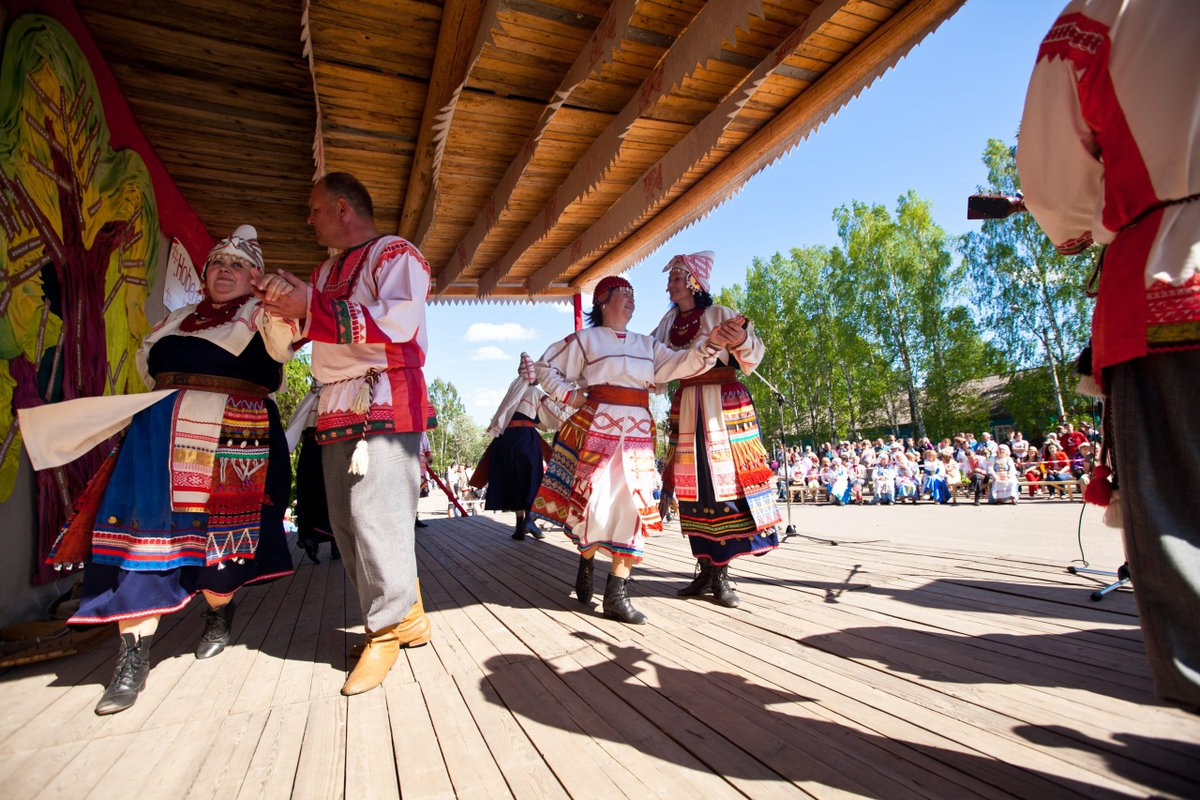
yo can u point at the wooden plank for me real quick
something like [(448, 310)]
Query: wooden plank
[(658, 759), (330, 665), (295, 679), (525, 772), (136, 767), (321, 769), (193, 746), (268, 657), (272, 771), (419, 763), (86, 768), (954, 676), (956, 734), (581, 765), (26, 772), (224, 769), (370, 757), (472, 769)]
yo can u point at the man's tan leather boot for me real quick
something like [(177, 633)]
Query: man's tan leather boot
[(383, 648), (417, 610)]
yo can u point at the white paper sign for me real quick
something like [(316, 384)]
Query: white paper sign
[(182, 287)]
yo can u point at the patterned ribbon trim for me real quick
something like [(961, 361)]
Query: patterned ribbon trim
[(208, 383)]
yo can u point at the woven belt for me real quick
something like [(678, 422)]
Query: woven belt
[(208, 383), (715, 375), (618, 396), (521, 423)]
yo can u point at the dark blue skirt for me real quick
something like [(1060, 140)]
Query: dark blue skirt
[(112, 593), (515, 473)]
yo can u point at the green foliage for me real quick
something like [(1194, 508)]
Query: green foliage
[(873, 335), (457, 438), (298, 372), (299, 378), (1027, 295)]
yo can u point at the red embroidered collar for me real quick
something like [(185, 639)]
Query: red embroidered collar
[(343, 275), (211, 314)]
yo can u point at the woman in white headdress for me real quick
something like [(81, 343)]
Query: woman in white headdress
[(716, 463), (192, 500)]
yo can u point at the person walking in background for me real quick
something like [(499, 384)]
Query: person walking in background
[(1110, 152), (425, 453), (717, 465), (514, 458), (364, 312)]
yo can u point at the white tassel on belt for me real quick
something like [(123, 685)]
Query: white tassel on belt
[(361, 460)]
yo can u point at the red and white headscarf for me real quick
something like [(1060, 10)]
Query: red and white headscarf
[(241, 244), (698, 267)]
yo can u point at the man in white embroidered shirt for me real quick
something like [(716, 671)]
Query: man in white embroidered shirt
[(1110, 152), (364, 312)]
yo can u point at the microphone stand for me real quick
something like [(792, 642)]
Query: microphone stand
[(790, 530)]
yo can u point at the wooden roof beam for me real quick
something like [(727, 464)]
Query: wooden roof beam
[(845, 80), (455, 46), (605, 39), (702, 39), (658, 182)]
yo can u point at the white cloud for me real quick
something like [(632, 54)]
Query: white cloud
[(563, 308), (487, 399), (490, 353), (503, 332)]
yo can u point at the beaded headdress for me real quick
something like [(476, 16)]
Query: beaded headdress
[(698, 267), (604, 289)]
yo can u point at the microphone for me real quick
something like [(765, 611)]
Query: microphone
[(994, 206)]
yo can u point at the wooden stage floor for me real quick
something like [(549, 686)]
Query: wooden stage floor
[(863, 669)]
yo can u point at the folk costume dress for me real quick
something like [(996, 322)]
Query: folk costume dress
[(716, 463), (599, 485), (515, 463), (194, 496)]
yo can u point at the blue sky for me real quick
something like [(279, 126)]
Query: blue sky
[(922, 126)]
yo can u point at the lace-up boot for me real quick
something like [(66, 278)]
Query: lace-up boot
[(616, 602), (218, 624), (129, 678), (721, 590), (701, 583), (583, 579)]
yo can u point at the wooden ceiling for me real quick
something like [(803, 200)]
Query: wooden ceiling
[(527, 147)]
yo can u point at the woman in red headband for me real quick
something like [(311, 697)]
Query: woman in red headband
[(599, 484)]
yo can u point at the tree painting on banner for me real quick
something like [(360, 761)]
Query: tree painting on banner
[(80, 235)]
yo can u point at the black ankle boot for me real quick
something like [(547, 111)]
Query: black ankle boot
[(218, 622), (519, 530), (723, 594), (583, 579), (129, 678), (616, 602), (701, 583)]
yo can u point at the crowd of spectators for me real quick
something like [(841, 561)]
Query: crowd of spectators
[(893, 470)]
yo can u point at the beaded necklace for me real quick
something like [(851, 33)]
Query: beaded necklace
[(686, 326)]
